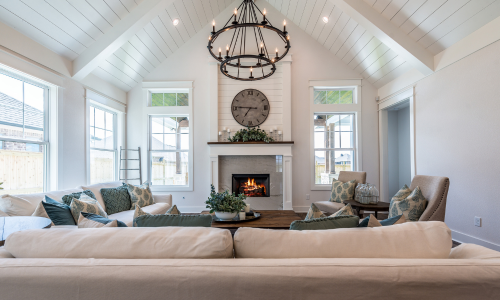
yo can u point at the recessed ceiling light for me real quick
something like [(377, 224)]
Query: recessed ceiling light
[(176, 22), (325, 19)]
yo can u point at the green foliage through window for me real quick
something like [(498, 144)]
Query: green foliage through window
[(169, 99), (333, 97)]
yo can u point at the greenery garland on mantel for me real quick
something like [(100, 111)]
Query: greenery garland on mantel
[(251, 135)]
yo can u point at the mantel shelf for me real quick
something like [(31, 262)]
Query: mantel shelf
[(251, 143)]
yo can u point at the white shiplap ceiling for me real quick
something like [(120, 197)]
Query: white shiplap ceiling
[(434, 24), (69, 27)]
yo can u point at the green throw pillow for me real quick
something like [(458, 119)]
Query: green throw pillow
[(326, 223), (116, 199), (173, 220), (140, 195), (314, 213), (342, 191), (66, 199), (412, 206)]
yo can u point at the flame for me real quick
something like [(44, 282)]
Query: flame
[(250, 186)]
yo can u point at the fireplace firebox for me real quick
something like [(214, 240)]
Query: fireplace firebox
[(251, 185)]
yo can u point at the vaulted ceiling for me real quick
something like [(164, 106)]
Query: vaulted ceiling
[(380, 39)]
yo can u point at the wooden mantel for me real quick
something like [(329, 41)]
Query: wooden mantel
[(249, 143)]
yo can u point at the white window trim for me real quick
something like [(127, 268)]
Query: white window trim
[(165, 87), (118, 135), (354, 108)]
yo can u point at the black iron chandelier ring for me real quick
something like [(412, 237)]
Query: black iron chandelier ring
[(221, 58), (251, 78)]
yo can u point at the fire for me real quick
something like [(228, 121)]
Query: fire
[(250, 187)]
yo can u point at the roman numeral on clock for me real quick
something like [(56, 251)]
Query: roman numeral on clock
[(250, 123), (266, 107), (250, 93), (235, 108), (263, 115)]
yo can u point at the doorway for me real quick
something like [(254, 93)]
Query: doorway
[(397, 143)]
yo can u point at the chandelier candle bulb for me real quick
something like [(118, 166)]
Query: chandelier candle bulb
[(213, 26), (284, 26), (220, 53), (227, 50), (264, 12)]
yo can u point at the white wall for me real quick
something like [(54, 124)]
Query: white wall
[(457, 122), (311, 61)]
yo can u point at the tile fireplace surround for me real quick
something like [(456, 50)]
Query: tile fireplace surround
[(228, 159)]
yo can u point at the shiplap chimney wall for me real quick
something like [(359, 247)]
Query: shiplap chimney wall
[(277, 88)]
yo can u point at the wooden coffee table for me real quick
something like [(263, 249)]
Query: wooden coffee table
[(381, 206), (270, 219), (9, 225)]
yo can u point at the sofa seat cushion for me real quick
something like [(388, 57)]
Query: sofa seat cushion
[(25, 204), (127, 216), (122, 243), (96, 189), (329, 207), (409, 240)]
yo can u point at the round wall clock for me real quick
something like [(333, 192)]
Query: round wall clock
[(250, 108)]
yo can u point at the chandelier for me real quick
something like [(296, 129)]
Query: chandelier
[(247, 49)]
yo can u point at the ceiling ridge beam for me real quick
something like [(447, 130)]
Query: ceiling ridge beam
[(389, 34), (117, 36)]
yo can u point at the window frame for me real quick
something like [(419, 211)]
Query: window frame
[(354, 109), (46, 125), (116, 170), (168, 111)]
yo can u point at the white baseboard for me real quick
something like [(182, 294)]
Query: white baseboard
[(465, 238), (301, 209)]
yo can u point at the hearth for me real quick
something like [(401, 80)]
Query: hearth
[(251, 185)]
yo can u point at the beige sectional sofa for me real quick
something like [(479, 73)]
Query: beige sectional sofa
[(25, 204), (406, 261)]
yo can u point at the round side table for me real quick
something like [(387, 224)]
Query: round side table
[(9, 225), (381, 206)]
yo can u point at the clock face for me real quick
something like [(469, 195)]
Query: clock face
[(250, 108)]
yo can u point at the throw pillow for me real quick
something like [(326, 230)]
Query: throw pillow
[(86, 204), (40, 212), (101, 219), (387, 222), (139, 212), (342, 191), (173, 220), (314, 213), (59, 213), (173, 211), (344, 211), (402, 193), (116, 199), (88, 223), (326, 223), (140, 195), (66, 199), (412, 206)]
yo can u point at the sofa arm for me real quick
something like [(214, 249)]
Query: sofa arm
[(472, 251), (163, 199), (5, 254)]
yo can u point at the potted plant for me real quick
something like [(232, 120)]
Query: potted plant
[(225, 205)]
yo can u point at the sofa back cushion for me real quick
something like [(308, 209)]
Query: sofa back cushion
[(408, 240), (96, 189), (25, 204), (122, 243)]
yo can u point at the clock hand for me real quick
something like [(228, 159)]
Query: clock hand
[(248, 111), (246, 107)]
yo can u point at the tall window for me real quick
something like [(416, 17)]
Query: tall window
[(23, 135), (169, 150), (334, 146), (103, 150)]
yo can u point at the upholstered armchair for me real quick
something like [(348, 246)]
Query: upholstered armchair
[(344, 176), (435, 190)]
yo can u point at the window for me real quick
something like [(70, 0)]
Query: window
[(334, 96), (169, 99), (334, 146), (23, 134), (103, 150), (169, 150)]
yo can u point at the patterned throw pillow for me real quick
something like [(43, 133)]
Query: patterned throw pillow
[(88, 223), (140, 195), (86, 204), (314, 213), (344, 211), (173, 211), (342, 191), (387, 222), (116, 199), (412, 206), (68, 198), (101, 219), (139, 212), (402, 194)]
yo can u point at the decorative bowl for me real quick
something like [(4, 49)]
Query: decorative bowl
[(225, 215)]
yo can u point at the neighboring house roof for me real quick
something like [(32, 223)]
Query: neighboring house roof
[(11, 113)]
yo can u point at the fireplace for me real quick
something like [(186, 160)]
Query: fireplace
[(251, 185)]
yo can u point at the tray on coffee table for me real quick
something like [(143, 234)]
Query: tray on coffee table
[(248, 217)]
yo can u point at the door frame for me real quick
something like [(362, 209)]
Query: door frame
[(383, 109)]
